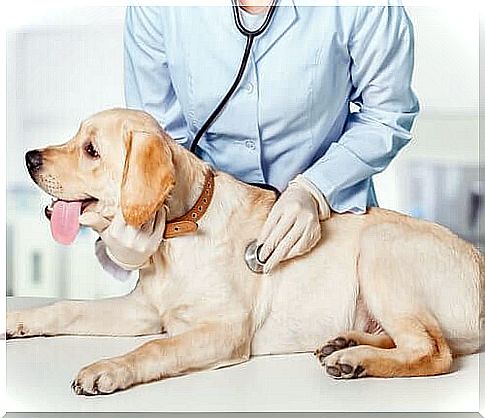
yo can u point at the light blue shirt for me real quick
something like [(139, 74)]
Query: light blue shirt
[(290, 114)]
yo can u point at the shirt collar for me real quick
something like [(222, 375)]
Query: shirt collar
[(284, 17)]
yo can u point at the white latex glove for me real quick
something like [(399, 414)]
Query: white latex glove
[(293, 225), (129, 247), (108, 265)]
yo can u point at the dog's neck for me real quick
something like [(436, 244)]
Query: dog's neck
[(190, 177), (189, 181)]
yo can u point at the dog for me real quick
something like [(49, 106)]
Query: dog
[(382, 294)]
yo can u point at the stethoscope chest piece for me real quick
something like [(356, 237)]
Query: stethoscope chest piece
[(251, 257)]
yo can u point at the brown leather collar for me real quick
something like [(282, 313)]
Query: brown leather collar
[(187, 224)]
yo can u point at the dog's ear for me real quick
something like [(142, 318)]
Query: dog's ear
[(148, 176)]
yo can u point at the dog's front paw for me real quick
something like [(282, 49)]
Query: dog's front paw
[(103, 377), (16, 327), (345, 364)]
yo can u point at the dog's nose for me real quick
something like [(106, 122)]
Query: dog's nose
[(33, 159)]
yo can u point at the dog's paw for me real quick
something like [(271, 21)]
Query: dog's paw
[(344, 364), (16, 327), (333, 345), (102, 377)]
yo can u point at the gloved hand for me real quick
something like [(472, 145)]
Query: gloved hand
[(108, 265), (129, 247), (293, 225)]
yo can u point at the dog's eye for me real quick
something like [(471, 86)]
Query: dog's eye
[(91, 150)]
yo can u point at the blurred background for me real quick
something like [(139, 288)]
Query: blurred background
[(64, 64)]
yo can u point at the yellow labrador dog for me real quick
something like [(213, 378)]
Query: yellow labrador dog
[(390, 295)]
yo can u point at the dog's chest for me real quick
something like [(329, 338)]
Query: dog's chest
[(190, 284)]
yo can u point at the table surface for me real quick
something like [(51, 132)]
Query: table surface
[(39, 372)]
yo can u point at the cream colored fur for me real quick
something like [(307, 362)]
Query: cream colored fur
[(415, 285)]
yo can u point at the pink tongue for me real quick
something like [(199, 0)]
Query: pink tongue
[(65, 221)]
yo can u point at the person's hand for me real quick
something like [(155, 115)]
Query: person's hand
[(293, 225), (129, 247)]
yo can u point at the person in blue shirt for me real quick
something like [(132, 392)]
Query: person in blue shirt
[(289, 122)]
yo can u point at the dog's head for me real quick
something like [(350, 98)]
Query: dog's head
[(118, 157)]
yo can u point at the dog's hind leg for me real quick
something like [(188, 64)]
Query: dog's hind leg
[(391, 284), (420, 350)]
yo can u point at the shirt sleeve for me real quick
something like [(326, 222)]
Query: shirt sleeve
[(382, 59), (147, 81)]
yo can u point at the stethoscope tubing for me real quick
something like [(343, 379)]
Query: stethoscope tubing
[(250, 35), (251, 255), (216, 112)]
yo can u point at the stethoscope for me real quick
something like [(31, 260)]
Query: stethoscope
[(250, 35), (251, 255)]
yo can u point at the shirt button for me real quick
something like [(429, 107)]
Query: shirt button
[(249, 87), (250, 144)]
